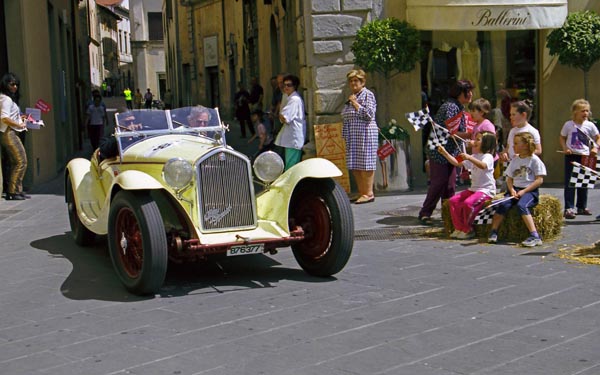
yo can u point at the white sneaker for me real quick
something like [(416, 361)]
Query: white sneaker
[(455, 234), (466, 236), (532, 241)]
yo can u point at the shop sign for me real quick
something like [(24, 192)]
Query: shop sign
[(486, 15), (501, 18)]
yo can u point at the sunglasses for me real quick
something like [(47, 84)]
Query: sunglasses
[(13, 84), (288, 84)]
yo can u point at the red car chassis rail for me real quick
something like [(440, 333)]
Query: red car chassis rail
[(193, 247)]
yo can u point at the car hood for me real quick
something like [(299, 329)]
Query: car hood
[(165, 147)]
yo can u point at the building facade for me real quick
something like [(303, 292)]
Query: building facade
[(125, 69), (212, 45), (147, 46), (499, 44), (37, 44), (109, 44)]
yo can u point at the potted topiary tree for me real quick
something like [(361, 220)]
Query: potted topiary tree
[(387, 46), (577, 43)]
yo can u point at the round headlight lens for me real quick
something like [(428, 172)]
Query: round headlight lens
[(268, 166), (178, 172)]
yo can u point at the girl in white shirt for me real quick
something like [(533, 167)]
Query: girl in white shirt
[(524, 175), (520, 112), (579, 139), (465, 205)]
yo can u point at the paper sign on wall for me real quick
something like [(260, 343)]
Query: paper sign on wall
[(331, 146)]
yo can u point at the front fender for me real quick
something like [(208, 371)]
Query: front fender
[(273, 204), (76, 171), (87, 193), (136, 180)]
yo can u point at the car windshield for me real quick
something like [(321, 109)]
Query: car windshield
[(137, 125)]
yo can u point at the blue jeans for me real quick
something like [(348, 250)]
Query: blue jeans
[(569, 193), (524, 204)]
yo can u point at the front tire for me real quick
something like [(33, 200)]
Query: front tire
[(138, 242), (322, 209), (81, 235)]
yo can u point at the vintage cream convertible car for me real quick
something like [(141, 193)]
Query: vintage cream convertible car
[(172, 189)]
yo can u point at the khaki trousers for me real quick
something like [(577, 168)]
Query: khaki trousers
[(18, 160)]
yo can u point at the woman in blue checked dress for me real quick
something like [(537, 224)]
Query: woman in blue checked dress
[(360, 134)]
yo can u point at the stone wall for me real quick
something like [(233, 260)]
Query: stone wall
[(330, 29)]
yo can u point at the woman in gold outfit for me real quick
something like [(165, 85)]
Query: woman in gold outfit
[(11, 122)]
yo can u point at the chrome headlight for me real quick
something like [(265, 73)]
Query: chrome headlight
[(268, 166), (178, 173)]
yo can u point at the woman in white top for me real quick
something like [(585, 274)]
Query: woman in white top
[(291, 135), (11, 122)]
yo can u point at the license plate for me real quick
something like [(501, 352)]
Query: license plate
[(246, 249)]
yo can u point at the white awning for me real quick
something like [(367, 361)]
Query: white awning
[(485, 15)]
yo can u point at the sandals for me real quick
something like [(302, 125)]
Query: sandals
[(365, 199)]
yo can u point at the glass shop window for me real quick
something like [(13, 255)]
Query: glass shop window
[(501, 64)]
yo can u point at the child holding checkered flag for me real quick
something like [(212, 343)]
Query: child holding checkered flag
[(465, 205), (579, 139), (524, 175)]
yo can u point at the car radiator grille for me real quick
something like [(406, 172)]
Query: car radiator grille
[(226, 192)]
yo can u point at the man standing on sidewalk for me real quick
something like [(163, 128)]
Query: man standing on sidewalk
[(148, 99), (128, 98)]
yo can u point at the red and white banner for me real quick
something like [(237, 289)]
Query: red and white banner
[(43, 106)]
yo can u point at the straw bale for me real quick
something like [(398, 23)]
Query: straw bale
[(547, 216), (582, 254)]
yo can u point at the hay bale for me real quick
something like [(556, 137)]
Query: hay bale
[(547, 216), (582, 254)]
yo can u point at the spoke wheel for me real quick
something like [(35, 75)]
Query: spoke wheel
[(80, 233), (129, 238), (322, 209), (137, 242)]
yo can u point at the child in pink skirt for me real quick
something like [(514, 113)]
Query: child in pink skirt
[(465, 205)]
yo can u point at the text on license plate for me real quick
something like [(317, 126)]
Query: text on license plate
[(246, 249)]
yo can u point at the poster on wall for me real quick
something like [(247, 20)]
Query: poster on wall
[(331, 146), (211, 51)]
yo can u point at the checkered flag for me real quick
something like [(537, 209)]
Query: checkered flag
[(583, 177), (438, 137), (486, 214), (419, 118)]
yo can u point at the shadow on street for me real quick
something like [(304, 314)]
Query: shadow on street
[(93, 276)]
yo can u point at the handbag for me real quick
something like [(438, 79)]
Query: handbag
[(386, 149)]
